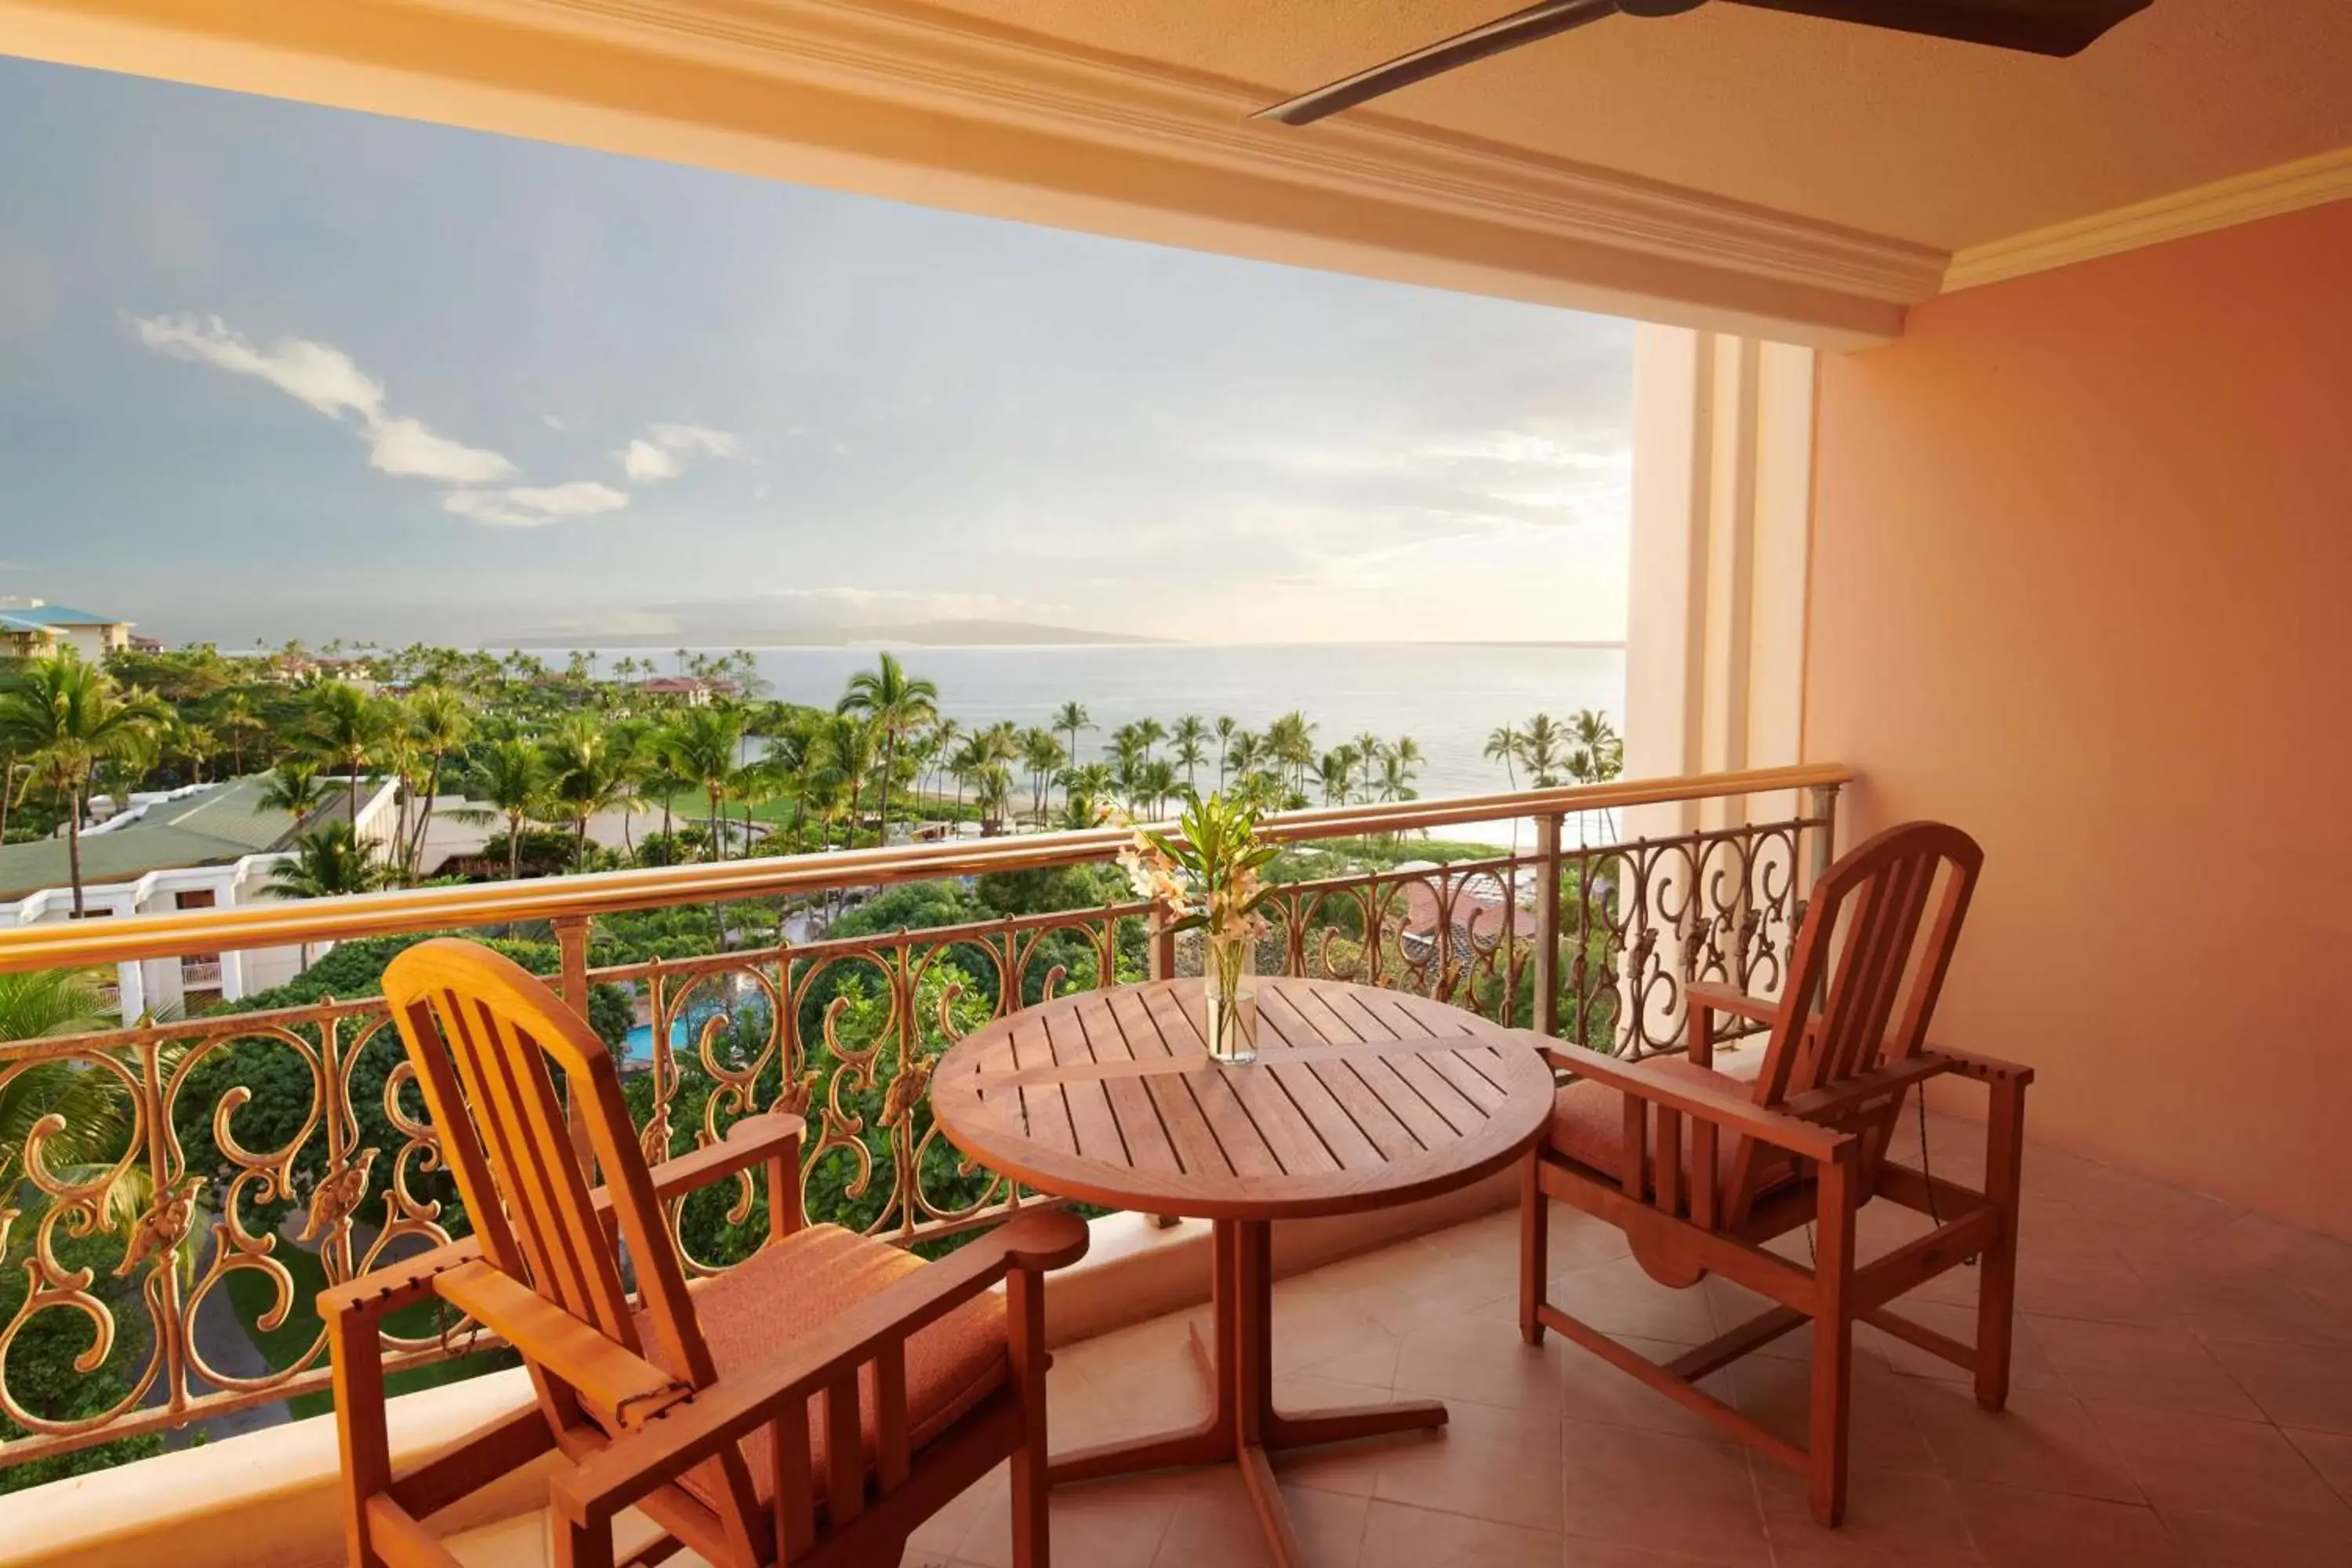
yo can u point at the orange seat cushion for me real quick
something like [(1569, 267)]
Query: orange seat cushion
[(1587, 1123), (763, 1307)]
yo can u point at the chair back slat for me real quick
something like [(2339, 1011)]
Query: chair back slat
[(483, 1036), (1869, 966)]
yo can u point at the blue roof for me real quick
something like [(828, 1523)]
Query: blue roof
[(54, 615)]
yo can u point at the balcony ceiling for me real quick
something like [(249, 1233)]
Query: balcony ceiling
[(1940, 143)]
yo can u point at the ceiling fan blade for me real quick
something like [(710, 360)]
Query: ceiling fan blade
[(2040, 26), (1493, 38)]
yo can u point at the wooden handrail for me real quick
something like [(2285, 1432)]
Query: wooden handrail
[(279, 923)]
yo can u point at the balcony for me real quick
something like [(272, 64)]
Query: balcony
[(2184, 1380)]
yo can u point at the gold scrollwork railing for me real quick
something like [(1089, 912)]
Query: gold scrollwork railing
[(258, 1156)]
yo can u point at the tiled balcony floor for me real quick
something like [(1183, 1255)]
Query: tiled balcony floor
[(2183, 1395)]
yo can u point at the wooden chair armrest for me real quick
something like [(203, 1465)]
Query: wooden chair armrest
[(1808, 1139), (1983, 1068), (1729, 999), (398, 1285), (749, 1141), (1893, 1077), (684, 1434)]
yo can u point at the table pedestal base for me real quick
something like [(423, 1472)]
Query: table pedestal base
[(1244, 1425)]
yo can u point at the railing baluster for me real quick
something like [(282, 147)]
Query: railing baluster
[(1547, 965)]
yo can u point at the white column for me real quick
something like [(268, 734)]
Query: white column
[(1722, 521), (130, 990)]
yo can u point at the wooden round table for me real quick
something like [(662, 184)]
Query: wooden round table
[(1358, 1098)]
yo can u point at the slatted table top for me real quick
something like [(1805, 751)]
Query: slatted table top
[(1359, 1097)]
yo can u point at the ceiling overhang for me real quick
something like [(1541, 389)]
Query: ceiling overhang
[(894, 100)]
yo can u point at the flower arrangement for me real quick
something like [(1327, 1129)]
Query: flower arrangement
[(1208, 878)]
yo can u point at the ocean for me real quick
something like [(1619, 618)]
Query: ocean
[(1447, 696)]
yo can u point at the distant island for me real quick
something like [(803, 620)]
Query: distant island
[(919, 634)]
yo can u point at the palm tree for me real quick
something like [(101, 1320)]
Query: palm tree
[(1041, 754), (438, 723), (992, 788), (65, 718), (1151, 731), (512, 776), (1599, 753), (327, 864), (1503, 745), (1069, 718), (1227, 728), (1083, 788), (896, 705), (94, 1106), (1290, 739), (348, 727), (1189, 738), (584, 777), (1539, 745), (292, 787), (848, 750), (707, 746), (1338, 772), (236, 719)]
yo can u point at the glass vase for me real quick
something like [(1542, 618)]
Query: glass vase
[(1229, 992)]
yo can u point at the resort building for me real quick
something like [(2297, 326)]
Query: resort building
[(30, 627), (205, 847)]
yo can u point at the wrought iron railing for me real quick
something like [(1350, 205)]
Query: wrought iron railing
[(260, 1154)]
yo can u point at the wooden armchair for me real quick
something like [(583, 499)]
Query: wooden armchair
[(1700, 1169), (811, 1405)]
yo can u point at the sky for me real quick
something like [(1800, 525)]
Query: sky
[(271, 371)]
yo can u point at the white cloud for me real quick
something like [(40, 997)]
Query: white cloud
[(529, 506), (654, 455), (697, 438), (644, 462), (405, 447), (552, 421), (324, 378)]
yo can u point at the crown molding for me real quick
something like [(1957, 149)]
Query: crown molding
[(938, 62), (896, 100), (2241, 198)]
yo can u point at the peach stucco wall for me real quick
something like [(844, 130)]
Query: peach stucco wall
[(2082, 583)]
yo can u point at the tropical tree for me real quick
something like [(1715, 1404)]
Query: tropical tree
[(707, 746), (1227, 728), (236, 719), (510, 776), (1540, 749), (292, 787), (94, 1106), (328, 864), (1599, 752), (1338, 772), (348, 727), (1069, 718), (65, 718), (1190, 739), (848, 747), (1505, 744), (895, 704), (1083, 789), (585, 775), (438, 723), (1290, 744), (1042, 756)]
